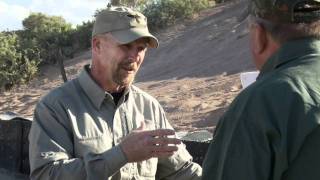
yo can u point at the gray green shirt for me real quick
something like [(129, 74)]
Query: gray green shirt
[(271, 130), (77, 129)]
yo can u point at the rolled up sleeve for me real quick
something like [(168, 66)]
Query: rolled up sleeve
[(180, 165)]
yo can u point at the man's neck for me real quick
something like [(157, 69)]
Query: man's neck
[(106, 84), (111, 87), (114, 89)]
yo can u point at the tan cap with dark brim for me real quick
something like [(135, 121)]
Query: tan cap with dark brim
[(132, 34), (125, 24)]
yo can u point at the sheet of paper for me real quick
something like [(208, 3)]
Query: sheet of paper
[(248, 78)]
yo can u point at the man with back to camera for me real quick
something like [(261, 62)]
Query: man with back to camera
[(271, 130), (100, 126)]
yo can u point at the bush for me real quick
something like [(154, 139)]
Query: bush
[(162, 13), (45, 39), (51, 33), (18, 64), (81, 36)]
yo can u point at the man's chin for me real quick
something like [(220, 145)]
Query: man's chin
[(126, 82)]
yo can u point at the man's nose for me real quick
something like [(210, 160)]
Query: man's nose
[(133, 54)]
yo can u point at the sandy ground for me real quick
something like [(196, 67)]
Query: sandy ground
[(194, 73)]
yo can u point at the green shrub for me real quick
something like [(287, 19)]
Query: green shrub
[(17, 64), (50, 33), (45, 38), (81, 36), (162, 13)]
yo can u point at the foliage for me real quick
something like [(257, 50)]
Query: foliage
[(81, 36), (221, 1), (115, 2), (51, 33), (18, 63), (129, 3), (47, 39), (162, 13)]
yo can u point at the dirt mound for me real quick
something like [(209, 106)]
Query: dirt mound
[(215, 43)]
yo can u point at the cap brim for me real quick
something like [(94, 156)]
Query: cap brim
[(132, 34)]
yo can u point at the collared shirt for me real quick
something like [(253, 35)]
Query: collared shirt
[(77, 129), (271, 130)]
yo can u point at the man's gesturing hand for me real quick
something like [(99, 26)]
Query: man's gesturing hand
[(141, 145)]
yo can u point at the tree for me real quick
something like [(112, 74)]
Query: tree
[(81, 36), (115, 2), (129, 3), (41, 23), (18, 63), (50, 32), (53, 35)]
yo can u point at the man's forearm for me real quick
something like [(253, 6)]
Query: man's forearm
[(93, 166)]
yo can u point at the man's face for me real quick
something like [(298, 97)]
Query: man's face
[(262, 43), (119, 63), (252, 40), (252, 27), (257, 40)]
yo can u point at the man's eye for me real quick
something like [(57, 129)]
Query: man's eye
[(125, 46), (142, 48)]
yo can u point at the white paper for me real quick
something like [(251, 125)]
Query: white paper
[(248, 78)]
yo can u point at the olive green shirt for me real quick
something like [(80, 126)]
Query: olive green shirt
[(77, 129), (271, 130)]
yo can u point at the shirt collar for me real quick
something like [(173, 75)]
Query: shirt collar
[(290, 51), (95, 93)]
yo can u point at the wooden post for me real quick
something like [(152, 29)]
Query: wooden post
[(61, 66)]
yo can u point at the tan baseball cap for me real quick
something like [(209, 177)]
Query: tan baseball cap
[(125, 24)]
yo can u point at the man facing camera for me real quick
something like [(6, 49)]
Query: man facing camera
[(100, 126)]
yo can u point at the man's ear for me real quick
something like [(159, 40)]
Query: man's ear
[(96, 44), (260, 39)]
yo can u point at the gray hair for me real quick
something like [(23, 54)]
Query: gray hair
[(283, 32)]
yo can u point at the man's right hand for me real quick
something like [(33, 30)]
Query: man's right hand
[(143, 144)]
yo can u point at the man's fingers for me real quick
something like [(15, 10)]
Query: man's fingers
[(160, 132), (163, 151), (163, 141), (166, 148), (162, 154)]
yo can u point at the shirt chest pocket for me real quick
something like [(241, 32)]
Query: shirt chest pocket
[(148, 168), (95, 144), (90, 134)]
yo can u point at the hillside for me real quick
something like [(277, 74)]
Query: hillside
[(194, 73)]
